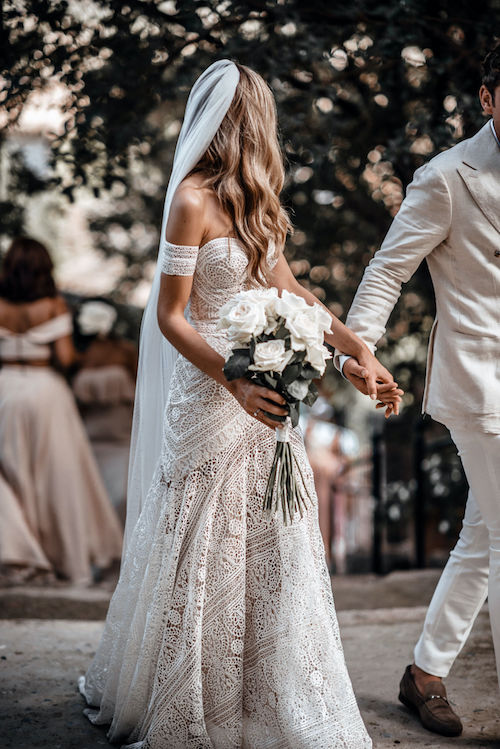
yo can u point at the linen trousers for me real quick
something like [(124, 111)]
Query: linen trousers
[(473, 569)]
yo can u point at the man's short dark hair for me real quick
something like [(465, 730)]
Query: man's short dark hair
[(491, 70)]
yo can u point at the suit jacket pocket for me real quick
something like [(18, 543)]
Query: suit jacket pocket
[(473, 363)]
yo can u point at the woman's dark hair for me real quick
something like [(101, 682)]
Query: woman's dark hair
[(27, 272), (491, 70)]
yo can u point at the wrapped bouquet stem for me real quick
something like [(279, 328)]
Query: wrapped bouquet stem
[(278, 343), (282, 488)]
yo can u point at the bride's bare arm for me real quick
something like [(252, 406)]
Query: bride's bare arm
[(186, 227)]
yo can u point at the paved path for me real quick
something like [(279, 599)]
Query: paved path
[(39, 705)]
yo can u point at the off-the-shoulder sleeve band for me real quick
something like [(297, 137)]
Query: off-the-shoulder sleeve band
[(178, 259)]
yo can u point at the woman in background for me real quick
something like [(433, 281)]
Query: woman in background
[(104, 387), (62, 515), (107, 365), (322, 440)]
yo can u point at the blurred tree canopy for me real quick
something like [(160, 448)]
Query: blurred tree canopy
[(366, 92)]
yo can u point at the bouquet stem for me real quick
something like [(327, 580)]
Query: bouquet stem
[(282, 486)]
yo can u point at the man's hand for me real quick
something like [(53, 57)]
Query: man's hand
[(387, 392)]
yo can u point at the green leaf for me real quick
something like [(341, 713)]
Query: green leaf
[(311, 395), (309, 373), (270, 380), (290, 373), (298, 356), (265, 379), (237, 364), (282, 332)]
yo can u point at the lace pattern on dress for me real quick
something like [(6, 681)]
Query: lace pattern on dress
[(222, 632), (178, 259)]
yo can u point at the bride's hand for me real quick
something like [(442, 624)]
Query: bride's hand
[(257, 400), (387, 391), (372, 372)]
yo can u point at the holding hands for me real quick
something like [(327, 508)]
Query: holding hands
[(371, 378)]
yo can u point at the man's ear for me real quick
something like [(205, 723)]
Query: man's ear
[(486, 100)]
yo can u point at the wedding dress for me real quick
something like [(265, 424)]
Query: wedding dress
[(222, 630)]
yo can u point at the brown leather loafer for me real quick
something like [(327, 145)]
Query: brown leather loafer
[(432, 705)]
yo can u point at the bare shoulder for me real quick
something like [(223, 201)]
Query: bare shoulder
[(186, 220), (189, 198)]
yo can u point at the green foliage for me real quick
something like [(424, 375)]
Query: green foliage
[(237, 364), (356, 117), (290, 373)]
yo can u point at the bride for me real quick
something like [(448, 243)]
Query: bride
[(222, 630)]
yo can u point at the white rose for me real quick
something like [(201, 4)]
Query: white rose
[(96, 318), (270, 356), (288, 304), (323, 319), (306, 322), (267, 297), (264, 295), (242, 319), (303, 330), (317, 357), (298, 389)]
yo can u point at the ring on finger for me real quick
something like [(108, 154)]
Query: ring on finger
[(256, 412)]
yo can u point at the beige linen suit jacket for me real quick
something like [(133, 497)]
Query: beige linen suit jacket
[(450, 217)]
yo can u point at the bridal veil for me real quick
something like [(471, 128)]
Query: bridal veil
[(207, 106)]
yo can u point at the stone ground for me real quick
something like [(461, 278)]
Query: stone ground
[(47, 638)]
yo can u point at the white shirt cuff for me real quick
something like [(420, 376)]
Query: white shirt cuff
[(342, 360)]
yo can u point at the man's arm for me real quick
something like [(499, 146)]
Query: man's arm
[(422, 223)]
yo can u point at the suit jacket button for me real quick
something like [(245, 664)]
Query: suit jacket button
[(497, 253)]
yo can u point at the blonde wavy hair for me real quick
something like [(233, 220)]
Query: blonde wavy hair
[(244, 166)]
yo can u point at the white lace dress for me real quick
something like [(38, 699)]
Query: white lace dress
[(222, 630)]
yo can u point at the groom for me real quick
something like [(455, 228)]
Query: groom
[(451, 217)]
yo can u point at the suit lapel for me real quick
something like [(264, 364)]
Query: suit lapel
[(480, 171)]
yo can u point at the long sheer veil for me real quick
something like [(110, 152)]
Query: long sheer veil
[(207, 105)]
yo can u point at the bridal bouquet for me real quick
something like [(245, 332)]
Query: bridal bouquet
[(278, 343)]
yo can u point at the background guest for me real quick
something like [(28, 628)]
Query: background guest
[(104, 387), (330, 464), (45, 457)]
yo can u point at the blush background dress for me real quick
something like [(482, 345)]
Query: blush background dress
[(55, 514)]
